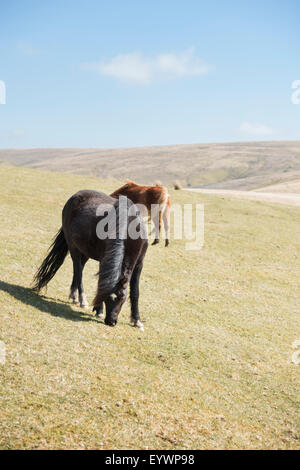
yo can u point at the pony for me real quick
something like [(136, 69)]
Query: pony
[(121, 257), (177, 185), (155, 200)]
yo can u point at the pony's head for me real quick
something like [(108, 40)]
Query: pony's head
[(113, 305), (111, 288)]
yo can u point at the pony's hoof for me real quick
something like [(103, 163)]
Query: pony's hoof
[(98, 314), (167, 243), (75, 300), (83, 301), (139, 324), (155, 242)]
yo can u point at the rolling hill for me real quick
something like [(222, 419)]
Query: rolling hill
[(213, 368), (240, 166)]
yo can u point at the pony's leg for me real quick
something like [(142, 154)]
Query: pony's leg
[(166, 219), (82, 296), (134, 295), (156, 217), (79, 261), (159, 222), (99, 311), (74, 286)]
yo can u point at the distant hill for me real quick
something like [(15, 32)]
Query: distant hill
[(242, 166)]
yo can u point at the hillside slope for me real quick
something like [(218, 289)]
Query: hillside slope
[(213, 368), (240, 166), (279, 197), (291, 187)]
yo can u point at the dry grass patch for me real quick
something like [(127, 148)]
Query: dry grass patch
[(213, 368)]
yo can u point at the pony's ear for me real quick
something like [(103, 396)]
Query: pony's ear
[(129, 182)]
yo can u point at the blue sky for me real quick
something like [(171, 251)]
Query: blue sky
[(131, 73)]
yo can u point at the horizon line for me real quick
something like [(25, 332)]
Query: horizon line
[(155, 145)]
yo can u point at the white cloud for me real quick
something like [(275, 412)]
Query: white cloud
[(137, 68), (256, 129)]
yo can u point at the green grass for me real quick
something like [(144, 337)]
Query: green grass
[(213, 368)]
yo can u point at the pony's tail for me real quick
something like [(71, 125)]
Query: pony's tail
[(53, 261), (111, 265)]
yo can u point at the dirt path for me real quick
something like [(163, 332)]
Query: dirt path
[(291, 199)]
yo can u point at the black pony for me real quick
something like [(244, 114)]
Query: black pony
[(121, 255)]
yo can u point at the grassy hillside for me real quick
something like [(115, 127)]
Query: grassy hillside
[(287, 187), (241, 166), (213, 368)]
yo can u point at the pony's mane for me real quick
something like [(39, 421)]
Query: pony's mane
[(129, 183), (112, 262)]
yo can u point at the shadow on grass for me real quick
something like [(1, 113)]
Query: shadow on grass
[(45, 304)]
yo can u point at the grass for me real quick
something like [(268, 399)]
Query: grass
[(213, 368)]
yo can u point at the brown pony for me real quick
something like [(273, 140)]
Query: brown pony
[(156, 203)]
